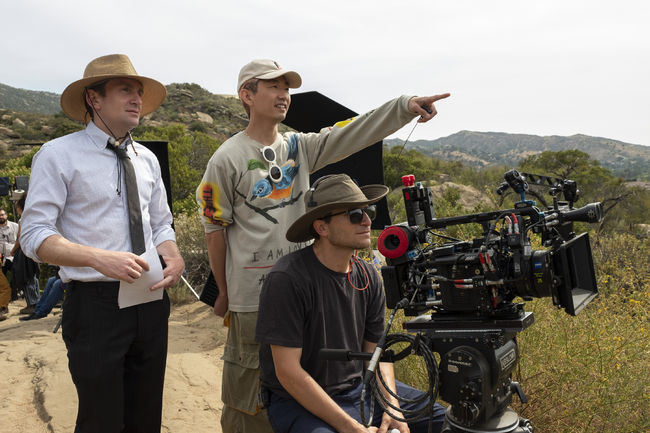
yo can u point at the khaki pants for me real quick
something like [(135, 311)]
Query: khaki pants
[(5, 291), (241, 378)]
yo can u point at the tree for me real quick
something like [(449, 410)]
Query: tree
[(595, 183), (399, 162), (563, 164), (189, 153)]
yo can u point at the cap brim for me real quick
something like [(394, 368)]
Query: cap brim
[(293, 78), (72, 98), (300, 230)]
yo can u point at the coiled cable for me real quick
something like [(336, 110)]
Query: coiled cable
[(418, 347)]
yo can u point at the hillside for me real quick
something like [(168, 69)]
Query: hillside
[(479, 149), (28, 100), (30, 116), (219, 116)]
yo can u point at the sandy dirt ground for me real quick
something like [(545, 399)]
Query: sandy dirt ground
[(38, 394)]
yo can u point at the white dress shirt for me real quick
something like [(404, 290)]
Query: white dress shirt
[(8, 236), (73, 192)]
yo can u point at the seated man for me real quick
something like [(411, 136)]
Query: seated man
[(51, 296), (322, 296)]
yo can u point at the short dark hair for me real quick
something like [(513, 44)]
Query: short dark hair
[(99, 87), (326, 218), (250, 85)]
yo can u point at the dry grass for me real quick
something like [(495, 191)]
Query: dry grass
[(191, 243)]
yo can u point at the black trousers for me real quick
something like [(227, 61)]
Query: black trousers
[(116, 358)]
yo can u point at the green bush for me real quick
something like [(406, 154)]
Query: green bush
[(191, 243)]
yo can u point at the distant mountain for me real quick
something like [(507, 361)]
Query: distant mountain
[(479, 149), (25, 115), (29, 100)]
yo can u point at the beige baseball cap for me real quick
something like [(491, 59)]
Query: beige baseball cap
[(266, 69)]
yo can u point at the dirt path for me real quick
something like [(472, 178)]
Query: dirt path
[(38, 394)]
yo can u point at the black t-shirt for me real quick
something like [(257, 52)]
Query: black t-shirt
[(305, 304)]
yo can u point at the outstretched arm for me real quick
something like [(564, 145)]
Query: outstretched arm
[(309, 393), (424, 106)]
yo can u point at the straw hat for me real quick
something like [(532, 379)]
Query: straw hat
[(104, 68), (329, 193)]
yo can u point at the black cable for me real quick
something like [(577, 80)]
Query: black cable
[(419, 348)]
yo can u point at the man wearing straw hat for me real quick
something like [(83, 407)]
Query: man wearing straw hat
[(323, 296), (96, 203), (251, 192)]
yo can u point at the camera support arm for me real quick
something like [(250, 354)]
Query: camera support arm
[(439, 223)]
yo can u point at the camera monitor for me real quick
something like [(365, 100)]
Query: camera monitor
[(578, 286), (22, 182), (4, 186)]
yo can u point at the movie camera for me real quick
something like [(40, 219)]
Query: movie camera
[(14, 191), (469, 289), (481, 277)]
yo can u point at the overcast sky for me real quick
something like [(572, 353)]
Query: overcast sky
[(552, 67)]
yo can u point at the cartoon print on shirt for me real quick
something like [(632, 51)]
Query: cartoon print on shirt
[(282, 189), (266, 188)]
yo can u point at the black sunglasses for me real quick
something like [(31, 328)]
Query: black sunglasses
[(356, 215)]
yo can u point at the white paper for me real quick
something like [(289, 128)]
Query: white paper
[(138, 292)]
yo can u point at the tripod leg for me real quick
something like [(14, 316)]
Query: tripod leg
[(58, 324)]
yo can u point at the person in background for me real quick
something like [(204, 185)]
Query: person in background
[(8, 236), (51, 296), (25, 271), (5, 297)]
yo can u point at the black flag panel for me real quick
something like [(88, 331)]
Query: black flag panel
[(311, 112), (159, 148)]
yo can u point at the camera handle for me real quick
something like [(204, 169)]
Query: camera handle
[(379, 348)]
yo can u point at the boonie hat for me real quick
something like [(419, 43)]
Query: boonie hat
[(104, 68), (266, 69), (328, 193)]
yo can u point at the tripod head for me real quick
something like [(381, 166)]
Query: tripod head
[(476, 361)]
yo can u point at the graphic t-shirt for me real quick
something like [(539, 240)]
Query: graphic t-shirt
[(237, 195)]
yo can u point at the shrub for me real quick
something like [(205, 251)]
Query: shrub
[(191, 243)]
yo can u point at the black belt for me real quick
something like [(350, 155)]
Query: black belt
[(74, 284)]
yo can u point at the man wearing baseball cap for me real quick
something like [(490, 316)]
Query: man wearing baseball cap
[(251, 192), (323, 296), (96, 203)]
